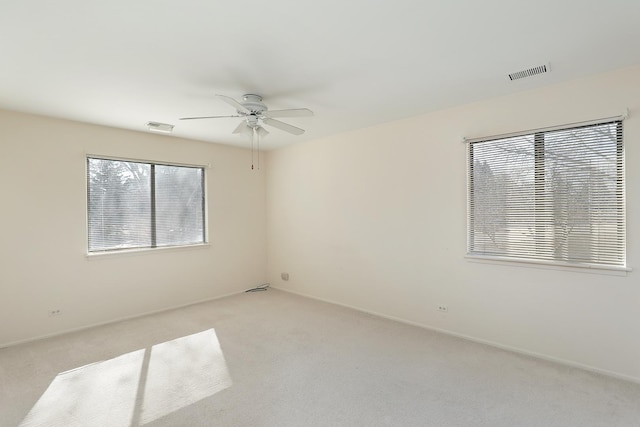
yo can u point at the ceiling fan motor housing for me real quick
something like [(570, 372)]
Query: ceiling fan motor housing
[(254, 104)]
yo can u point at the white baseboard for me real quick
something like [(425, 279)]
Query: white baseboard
[(119, 319), (518, 350)]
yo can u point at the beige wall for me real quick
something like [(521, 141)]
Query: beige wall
[(43, 262), (376, 219)]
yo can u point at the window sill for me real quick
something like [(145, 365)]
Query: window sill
[(551, 265), (144, 251)]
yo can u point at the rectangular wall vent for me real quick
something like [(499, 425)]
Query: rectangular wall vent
[(540, 69)]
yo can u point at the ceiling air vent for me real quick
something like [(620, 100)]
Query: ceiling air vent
[(160, 127), (540, 69)]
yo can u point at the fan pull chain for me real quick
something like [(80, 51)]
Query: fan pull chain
[(255, 136), (253, 132)]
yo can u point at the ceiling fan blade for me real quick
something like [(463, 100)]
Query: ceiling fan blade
[(262, 132), (235, 104), (283, 126), (295, 112), (206, 117), (243, 127)]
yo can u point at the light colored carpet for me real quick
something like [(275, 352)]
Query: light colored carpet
[(276, 359)]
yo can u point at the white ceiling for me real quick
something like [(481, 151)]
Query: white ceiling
[(355, 63)]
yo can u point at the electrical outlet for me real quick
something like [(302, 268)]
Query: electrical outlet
[(55, 312), (443, 308), (284, 276)]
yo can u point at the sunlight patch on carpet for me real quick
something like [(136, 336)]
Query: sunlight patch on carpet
[(135, 388), (100, 394), (182, 372)]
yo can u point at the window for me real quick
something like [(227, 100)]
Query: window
[(143, 205), (551, 196)]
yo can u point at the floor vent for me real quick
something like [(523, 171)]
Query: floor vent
[(540, 69)]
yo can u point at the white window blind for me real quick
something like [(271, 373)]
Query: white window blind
[(143, 205), (554, 196)]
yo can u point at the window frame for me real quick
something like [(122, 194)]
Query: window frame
[(153, 246), (536, 149)]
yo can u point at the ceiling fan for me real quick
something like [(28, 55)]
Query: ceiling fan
[(255, 114)]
